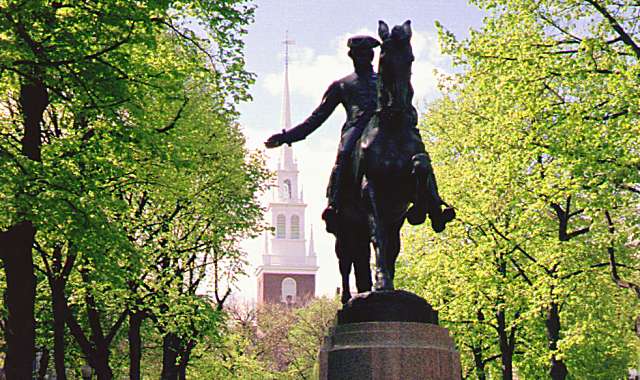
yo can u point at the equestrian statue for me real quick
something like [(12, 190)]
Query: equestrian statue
[(382, 174)]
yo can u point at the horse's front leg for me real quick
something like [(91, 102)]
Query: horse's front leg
[(345, 269), (426, 199), (377, 233), (420, 197), (393, 245)]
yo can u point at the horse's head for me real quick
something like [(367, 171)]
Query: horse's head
[(396, 58)]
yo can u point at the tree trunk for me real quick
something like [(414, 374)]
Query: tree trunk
[(17, 259), (44, 364), (34, 99), (184, 360), (170, 349), (135, 344), (16, 245), (506, 350), (478, 359), (59, 317), (558, 370), (96, 351), (101, 364), (182, 371)]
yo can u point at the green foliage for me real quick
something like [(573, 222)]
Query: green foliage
[(144, 183), (271, 342), (535, 143)]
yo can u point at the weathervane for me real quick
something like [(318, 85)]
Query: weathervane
[(286, 43)]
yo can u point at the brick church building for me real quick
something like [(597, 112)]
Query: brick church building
[(287, 273)]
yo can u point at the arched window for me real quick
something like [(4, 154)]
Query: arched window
[(287, 188), (281, 226), (295, 227), (289, 290)]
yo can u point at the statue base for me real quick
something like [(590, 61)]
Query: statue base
[(387, 306), (371, 341)]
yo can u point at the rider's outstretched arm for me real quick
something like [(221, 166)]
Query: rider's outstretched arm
[(330, 101)]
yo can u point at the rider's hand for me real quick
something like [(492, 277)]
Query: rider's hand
[(275, 140)]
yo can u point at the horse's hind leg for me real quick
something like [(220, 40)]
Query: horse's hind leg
[(344, 263), (362, 257)]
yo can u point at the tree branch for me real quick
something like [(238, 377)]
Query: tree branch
[(116, 326), (592, 266), (173, 122), (614, 266), (626, 38)]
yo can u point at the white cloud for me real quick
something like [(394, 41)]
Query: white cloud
[(310, 73)]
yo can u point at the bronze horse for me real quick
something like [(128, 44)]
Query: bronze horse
[(390, 171)]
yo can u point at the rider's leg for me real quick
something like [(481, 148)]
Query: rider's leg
[(347, 143), (330, 214)]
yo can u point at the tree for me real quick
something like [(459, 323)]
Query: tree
[(536, 139), (74, 76), (307, 335), (271, 342)]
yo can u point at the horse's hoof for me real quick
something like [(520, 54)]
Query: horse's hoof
[(416, 215), (383, 282), (448, 214), (438, 222), (383, 287), (345, 298)]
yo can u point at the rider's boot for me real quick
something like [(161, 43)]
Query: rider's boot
[(330, 214)]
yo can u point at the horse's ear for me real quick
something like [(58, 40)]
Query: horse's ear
[(383, 30), (406, 27)]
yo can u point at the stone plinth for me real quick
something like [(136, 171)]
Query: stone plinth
[(388, 335), (389, 351)]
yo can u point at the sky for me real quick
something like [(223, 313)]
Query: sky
[(320, 30)]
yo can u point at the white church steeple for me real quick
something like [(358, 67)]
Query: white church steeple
[(286, 265)]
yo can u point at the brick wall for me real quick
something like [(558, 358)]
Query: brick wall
[(270, 287)]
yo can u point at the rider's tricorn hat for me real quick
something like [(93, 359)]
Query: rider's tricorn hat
[(362, 42)]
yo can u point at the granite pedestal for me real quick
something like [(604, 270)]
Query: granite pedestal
[(361, 348)]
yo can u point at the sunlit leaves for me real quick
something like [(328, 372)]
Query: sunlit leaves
[(536, 130)]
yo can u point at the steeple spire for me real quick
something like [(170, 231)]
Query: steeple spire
[(286, 103), (286, 161)]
